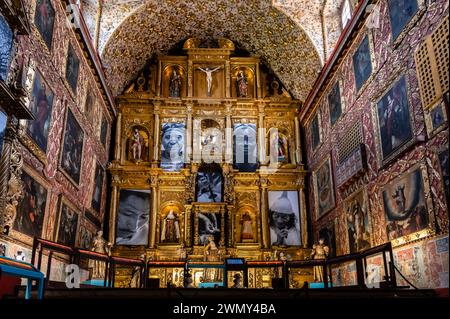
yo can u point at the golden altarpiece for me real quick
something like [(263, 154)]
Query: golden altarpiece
[(178, 144)]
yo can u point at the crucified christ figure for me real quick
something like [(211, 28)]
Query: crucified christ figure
[(208, 73)]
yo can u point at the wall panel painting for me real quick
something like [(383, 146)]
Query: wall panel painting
[(72, 68), (358, 223), (98, 188), (72, 148), (328, 234), (335, 103), (324, 188), (400, 13), (44, 20), (362, 63), (6, 41), (68, 224)]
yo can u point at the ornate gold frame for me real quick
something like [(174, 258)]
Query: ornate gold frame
[(64, 201)]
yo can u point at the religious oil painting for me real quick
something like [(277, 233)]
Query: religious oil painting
[(394, 120), (173, 146), (444, 165), (358, 223), (44, 20), (335, 103), (31, 208), (86, 234), (72, 149), (436, 118), (6, 41), (3, 121), (68, 224), (245, 148), (284, 220), (405, 204), (104, 130), (41, 103), (362, 63), (72, 68), (209, 224), (315, 131), (324, 189), (98, 187), (133, 217), (209, 186), (279, 147), (401, 12), (328, 234)]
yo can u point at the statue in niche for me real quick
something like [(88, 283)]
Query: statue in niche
[(279, 148), (101, 246), (246, 227), (211, 253), (175, 84), (208, 73), (170, 232), (137, 145), (242, 84), (319, 251)]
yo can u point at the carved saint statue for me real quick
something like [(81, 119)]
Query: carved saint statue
[(211, 253), (99, 245), (237, 281), (319, 251), (170, 232), (137, 145), (242, 84), (175, 84), (208, 73), (247, 227)]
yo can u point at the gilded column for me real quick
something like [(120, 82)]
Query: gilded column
[(298, 150), (197, 154), (258, 84), (158, 83), (264, 212), (156, 134), (189, 133), (113, 212), (228, 136), (303, 217), (261, 135), (190, 73), (118, 137), (227, 79), (154, 212)]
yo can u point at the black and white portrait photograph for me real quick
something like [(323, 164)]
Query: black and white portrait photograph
[(245, 148), (394, 119), (362, 63), (400, 13), (68, 223), (172, 146), (209, 224), (133, 217), (209, 187), (284, 221)]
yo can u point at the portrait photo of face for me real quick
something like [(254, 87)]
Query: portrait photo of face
[(6, 40), (209, 224), (41, 103), (400, 13), (209, 187), (405, 206), (68, 223), (324, 187), (133, 217), (72, 68), (284, 221), (394, 119), (31, 209), (72, 148), (362, 63), (245, 148), (334, 103), (172, 146), (98, 186), (44, 19)]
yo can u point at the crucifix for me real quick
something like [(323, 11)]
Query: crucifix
[(208, 73)]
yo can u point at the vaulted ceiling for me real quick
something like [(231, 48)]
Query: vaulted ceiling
[(286, 34)]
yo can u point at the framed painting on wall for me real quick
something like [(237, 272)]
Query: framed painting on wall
[(72, 148), (436, 118), (315, 131), (328, 234), (44, 20), (358, 222), (362, 63), (133, 217), (400, 13), (72, 68), (98, 188), (69, 217), (393, 115), (335, 103), (324, 188), (407, 205), (284, 218), (6, 42), (103, 130), (86, 234), (444, 165)]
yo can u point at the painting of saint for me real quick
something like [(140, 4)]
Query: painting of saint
[(72, 68), (357, 217), (68, 223), (315, 132), (443, 161), (44, 19), (324, 188), (103, 131), (405, 206), (394, 119), (245, 148), (362, 63), (209, 224), (209, 187), (98, 186), (328, 234), (72, 148), (31, 209), (335, 104), (172, 146), (284, 221), (437, 117), (41, 104), (133, 217), (3, 120), (278, 147), (6, 39), (400, 13), (86, 237)]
